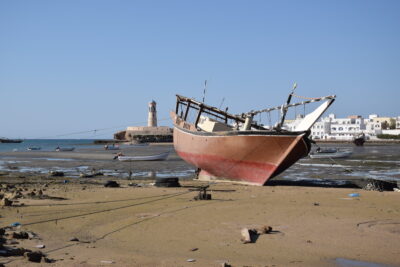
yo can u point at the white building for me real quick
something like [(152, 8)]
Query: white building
[(346, 129)]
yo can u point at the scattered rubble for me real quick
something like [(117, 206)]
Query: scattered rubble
[(111, 184), (56, 174), (6, 202), (251, 235), (167, 182), (35, 256), (20, 235), (246, 236)]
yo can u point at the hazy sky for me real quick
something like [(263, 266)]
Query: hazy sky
[(71, 66)]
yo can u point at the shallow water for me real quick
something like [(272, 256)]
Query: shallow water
[(373, 162), (354, 263)]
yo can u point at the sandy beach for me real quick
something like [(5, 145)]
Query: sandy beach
[(152, 226)]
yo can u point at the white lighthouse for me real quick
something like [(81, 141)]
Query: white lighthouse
[(152, 119)]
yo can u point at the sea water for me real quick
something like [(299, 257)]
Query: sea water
[(47, 144)]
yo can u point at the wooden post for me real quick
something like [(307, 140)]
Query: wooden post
[(198, 116), (187, 111)]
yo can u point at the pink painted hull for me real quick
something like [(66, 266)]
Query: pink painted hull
[(252, 157)]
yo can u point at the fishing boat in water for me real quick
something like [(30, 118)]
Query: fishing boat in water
[(111, 147), (330, 153), (7, 140), (235, 147), (58, 149), (32, 148), (359, 140), (156, 157)]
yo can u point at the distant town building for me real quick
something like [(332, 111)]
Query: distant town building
[(346, 129), (149, 133)]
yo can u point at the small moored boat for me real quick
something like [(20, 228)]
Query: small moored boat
[(359, 140), (330, 153), (162, 156), (65, 149), (31, 148), (7, 140), (112, 147)]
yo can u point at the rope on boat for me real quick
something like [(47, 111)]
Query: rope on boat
[(95, 131), (304, 97)]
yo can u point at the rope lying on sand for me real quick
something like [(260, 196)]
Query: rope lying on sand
[(120, 228), (92, 202), (106, 210), (126, 226)]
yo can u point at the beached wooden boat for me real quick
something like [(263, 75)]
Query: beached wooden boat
[(65, 149), (162, 156), (241, 150), (331, 153)]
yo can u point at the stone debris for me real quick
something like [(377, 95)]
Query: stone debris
[(246, 236), (6, 202), (20, 235), (9, 252), (74, 239), (190, 260), (225, 264), (251, 235), (111, 184), (265, 229), (56, 173), (35, 256)]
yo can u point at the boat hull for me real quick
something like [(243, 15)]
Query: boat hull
[(246, 156)]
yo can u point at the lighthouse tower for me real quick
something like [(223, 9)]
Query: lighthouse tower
[(152, 119)]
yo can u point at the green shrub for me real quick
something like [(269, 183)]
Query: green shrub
[(388, 136)]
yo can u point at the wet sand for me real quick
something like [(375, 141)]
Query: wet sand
[(150, 226)]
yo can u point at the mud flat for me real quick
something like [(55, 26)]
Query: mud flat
[(149, 226), (86, 160)]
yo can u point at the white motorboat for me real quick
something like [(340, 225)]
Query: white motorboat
[(112, 147), (162, 156), (34, 148), (332, 153)]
